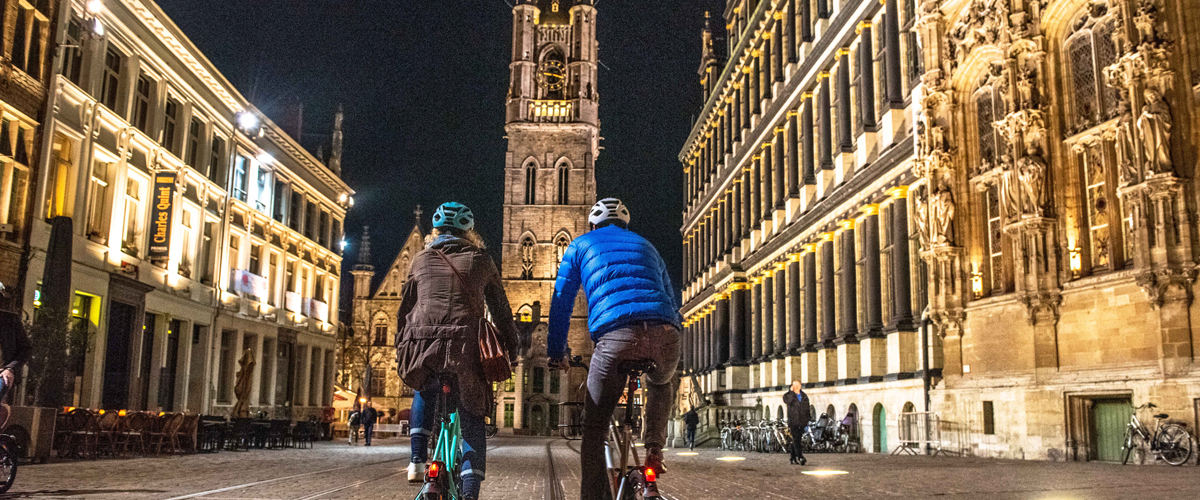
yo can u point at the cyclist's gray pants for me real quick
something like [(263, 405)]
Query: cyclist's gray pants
[(659, 343)]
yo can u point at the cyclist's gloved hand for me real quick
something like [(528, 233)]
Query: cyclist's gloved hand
[(560, 362)]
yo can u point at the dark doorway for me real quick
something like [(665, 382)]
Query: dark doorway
[(166, 380), (147, 361), (117, 355), (283, 372)]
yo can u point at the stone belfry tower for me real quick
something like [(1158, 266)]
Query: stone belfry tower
[(553, 132)]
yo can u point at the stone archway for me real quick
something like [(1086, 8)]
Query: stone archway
[(879, 428)]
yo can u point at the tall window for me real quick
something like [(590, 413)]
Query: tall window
[(564, 185), (994, 240), (133, 217), (539, 380), (110, 79), (60, 197), (378, 382), (989, 108), (193, 145), (238, 187), (1088, 51), (27, 42), (141, 103), (381, 330), (216, 160), (262, 189), (171, 126), (279, 203), (208, 259), (14, 172), (530, 184), (911, 50), (73, 52), (97, 221), (186, 245), (297, 210), (560, 250), (272, 275), (527, 251)]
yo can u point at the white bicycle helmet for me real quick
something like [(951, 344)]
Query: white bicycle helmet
[(608, 209)]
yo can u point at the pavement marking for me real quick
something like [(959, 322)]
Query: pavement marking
[(348, 486), (268, 481), (554, 489)]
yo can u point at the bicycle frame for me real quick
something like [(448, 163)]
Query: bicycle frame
[(446, 454), (623, 440)]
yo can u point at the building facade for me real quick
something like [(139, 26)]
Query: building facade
[(1018, 171), (371, 342), (200, 231), (553, 130), (25, 44)]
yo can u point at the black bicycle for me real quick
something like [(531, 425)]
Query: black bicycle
[(629, 478), (1170, 441), (8, 446)]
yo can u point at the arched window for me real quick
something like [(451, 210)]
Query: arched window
[(991, 151), (564, 177), (560, 249), (530, 184), (527, 246), (380, 333), (1091, 105)]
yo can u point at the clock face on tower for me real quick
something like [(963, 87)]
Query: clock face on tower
[(552, 75)]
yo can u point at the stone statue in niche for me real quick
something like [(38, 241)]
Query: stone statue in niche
[(1155, 128), (1010, 192), (1127, 160), (941, 212), (1026, 82), (1032, 170), (921, 203)]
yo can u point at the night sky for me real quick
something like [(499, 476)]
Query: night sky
[(423, 86)]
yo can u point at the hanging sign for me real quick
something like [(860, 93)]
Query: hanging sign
[(163, 199)]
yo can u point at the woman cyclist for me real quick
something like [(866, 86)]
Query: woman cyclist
[(438, 334)]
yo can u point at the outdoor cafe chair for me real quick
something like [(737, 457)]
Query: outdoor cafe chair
[(188, 433), (133, 433), (85, 433), (110, 426)]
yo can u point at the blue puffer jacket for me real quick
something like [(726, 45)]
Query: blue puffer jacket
[(624, 279)]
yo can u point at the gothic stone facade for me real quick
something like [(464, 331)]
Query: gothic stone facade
[(553, 134), (1020, 170)]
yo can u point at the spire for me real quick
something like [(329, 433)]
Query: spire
[(364, 252), (418, 212), (708, 53), (335, 147)]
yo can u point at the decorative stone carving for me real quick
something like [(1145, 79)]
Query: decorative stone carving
[(921, 217), (1128, 167), (1032, 170), (941, 212), (983, 22), (1154, 127)]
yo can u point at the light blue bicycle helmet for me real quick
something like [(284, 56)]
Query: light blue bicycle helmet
[(454, 214)]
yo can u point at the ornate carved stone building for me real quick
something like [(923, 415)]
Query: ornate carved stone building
[(1020, 170), (553, 131)]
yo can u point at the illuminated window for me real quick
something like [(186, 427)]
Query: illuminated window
[(527, 254), (98, 204), (238, 186), (133, 218), (60, 199), (560, 250), (381, 334)]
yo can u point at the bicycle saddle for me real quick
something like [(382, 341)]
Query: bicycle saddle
[(1162, 416), (636, 367)]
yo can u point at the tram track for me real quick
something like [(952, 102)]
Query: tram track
[(554, 489)]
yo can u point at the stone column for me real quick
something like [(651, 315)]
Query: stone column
[(735, 212), (795, 330), (828, 291), (685, 346), (737, 374), (866, 80), (811, 336), (780, 170), (737, 110), (777, 49), (793, 154), (756, 192), (849, 283), (891, 35), (768, 316), (767, 67), (723, 327), (756, 83), (825, 144), (768, 182), (747, 192), (790, 30), (518, 403), (845, 123), (756, 320), (902, 314), (714, 335), (781, 300), (808, 153), (872, 294)]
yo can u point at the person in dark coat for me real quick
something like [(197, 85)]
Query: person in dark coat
[(438, 335), (369, 416), (691, 420), (798, 415), (15, 349)]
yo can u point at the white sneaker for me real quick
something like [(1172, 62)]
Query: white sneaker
[(416, 473)]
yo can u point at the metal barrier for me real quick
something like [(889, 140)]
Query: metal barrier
[(920, 433)]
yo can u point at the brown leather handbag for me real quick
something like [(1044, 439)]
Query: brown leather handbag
[(492, 357)]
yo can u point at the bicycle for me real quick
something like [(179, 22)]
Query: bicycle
[(1170, 441), (443, 479), (629, 478), (8, 446)]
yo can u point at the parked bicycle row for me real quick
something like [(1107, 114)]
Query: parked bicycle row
[(824, 434)]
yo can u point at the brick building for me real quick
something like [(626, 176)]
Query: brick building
[(1020, 171)]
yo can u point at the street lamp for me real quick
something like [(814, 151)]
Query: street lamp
[(249, 123)]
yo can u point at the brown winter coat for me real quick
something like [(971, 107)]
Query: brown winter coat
[(439, 321)]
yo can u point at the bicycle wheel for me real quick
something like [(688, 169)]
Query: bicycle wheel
[(1128, 446), (8, 464), (1175, 444)]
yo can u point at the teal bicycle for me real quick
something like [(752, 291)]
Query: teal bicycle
[(443, 480)]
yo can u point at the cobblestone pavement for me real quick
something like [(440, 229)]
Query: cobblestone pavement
[(520, 469)]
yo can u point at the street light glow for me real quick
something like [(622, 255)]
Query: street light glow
[(247, 121), (687, 453), (95, 6), (824, 472), (731, 459), (97, 27)]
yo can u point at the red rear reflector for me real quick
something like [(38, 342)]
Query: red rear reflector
[(651, 476), (434, 468)]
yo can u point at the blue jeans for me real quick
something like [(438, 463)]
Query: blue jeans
[(659, 343), (424, 422), (368, 429), (691, 436)]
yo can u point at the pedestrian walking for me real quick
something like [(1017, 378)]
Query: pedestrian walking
[(443, 301), (369, 417), (691, 420), (15, 349), (798, 413), (355, 421)]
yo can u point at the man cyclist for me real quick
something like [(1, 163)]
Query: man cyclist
[(632, 315)]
